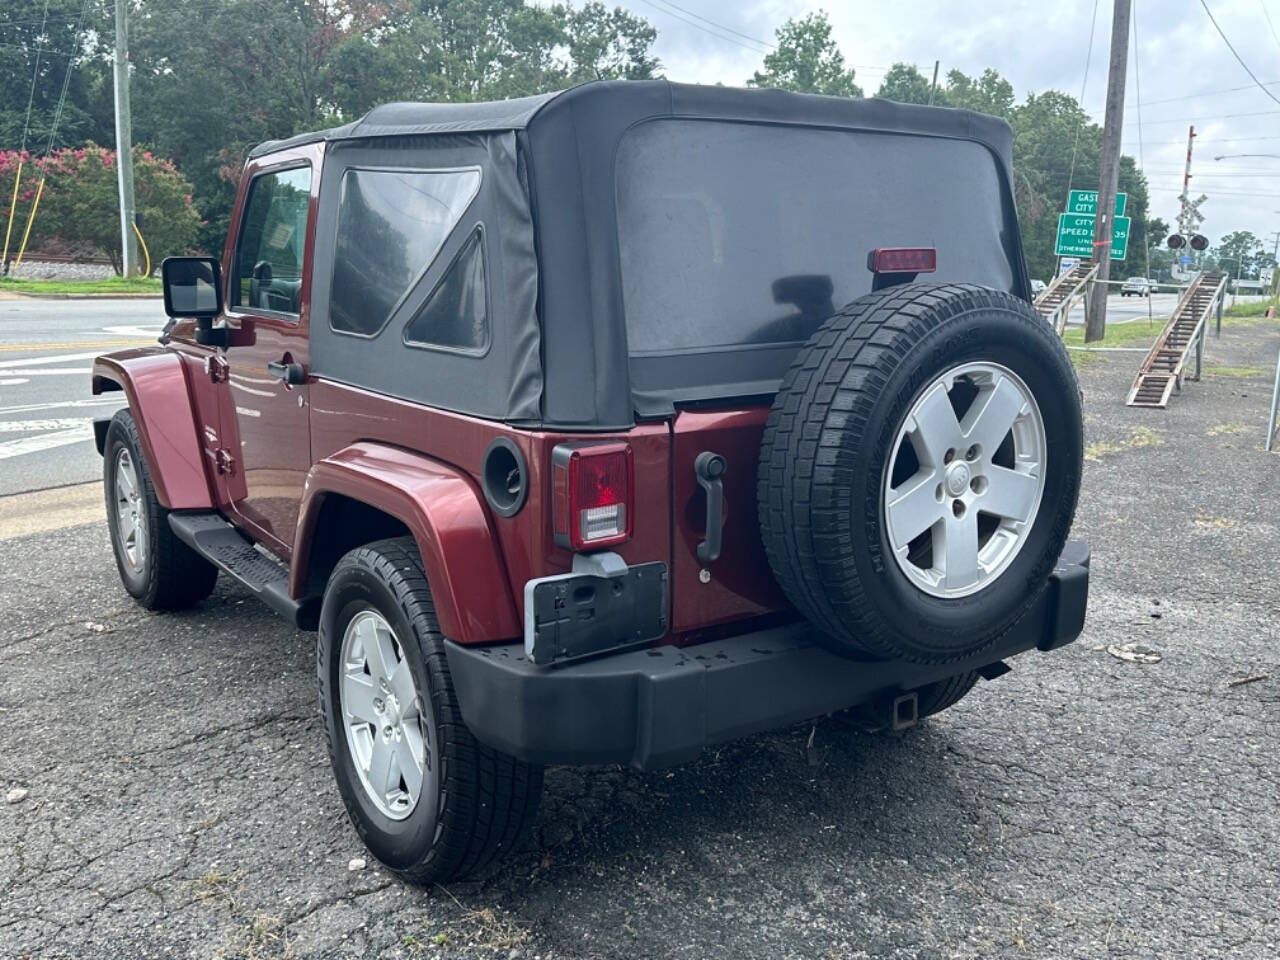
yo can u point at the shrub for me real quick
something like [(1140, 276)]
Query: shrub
[(79, 207)]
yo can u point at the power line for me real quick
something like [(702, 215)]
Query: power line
[(705, 29), (1206, 93), (31, 97), (719, 26), (1088, 57), (1270, 26), (66, 82), (706, 25), (1239, 59)]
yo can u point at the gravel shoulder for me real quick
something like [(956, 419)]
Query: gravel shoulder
[(179, 803)]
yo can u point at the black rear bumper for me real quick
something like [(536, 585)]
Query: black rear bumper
[(657, 707)]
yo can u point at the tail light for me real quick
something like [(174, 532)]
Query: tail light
[(591, 494), (903, 260)]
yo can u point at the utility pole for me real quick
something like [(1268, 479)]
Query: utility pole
[(1108, 176), (934, 88), (124, 141)]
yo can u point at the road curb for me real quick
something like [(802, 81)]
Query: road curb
[(14, 295)]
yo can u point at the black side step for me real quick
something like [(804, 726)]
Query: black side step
[(222, 545)]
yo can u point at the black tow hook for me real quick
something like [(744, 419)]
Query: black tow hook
[(709, 467)]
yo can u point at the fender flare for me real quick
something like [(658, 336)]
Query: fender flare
[(444, 511), (156, 386)]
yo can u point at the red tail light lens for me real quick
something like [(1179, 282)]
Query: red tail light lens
[(591, 487), (904, 260)]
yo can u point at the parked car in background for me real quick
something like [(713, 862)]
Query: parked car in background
[(1038, 287), (580, 440), (1137, 287)]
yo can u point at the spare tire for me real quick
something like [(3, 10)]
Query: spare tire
[(920, 469)]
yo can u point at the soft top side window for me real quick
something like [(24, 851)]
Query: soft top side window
[(272, 241), (391, 226), (455, 316)]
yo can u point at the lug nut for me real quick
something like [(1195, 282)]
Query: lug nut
[(957, 507), (972, 453), (948, 456)]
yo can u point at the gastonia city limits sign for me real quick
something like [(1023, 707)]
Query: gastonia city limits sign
[(1075, 227)]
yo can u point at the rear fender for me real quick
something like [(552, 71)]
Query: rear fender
[(153, 380), (446, 514)]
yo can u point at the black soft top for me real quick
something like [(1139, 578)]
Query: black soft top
[(652, 98), (572, 368)]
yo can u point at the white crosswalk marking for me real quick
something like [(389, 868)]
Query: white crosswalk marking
[(31, 426), (45, 441)]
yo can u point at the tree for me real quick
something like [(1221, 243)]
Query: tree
[(989, 93), (807, 60), (905, 84), (608, 44), (212, 79), (1239, 253), (78, 206), (40, 41)]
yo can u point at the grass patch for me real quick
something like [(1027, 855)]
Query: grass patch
[(1225, 429), (104, 285), (1135, 333), (1138, 438), (1255, 308), (1232, 371), (1100, 448)]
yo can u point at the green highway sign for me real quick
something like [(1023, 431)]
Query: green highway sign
[(1075, 236), (1086, 201)]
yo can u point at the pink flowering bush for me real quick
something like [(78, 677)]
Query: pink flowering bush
[(79, 207)]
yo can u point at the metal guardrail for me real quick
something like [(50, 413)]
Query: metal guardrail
[(1163, 368), (1275, 406)]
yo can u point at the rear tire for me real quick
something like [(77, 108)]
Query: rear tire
[(875, 380), (473, 804), (157, 569)]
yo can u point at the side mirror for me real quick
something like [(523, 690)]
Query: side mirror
[(193, 288)]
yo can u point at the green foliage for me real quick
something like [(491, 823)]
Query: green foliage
[(1056, 148), (989, 93), (86, 114), (78, 205), (807, 60), (905, 84), (212, 79), (1241, 254)]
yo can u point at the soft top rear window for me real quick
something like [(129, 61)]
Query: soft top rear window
[(737, 235)]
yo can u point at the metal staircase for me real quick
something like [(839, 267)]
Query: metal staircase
[(1061, 295), (1162, 370)]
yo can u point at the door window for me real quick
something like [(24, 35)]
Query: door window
[(268, 264)]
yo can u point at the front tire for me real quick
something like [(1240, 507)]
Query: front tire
[(426, 797), (157, 569)]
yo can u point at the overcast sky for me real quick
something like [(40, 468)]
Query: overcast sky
[(1039, 45)]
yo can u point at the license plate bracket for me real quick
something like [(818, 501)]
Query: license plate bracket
[(575, 615)]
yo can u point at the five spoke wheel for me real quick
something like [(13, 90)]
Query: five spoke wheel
[(388, 731), (964, 479), (130, 511)]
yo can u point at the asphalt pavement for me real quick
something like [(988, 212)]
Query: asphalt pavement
[(165, 790)]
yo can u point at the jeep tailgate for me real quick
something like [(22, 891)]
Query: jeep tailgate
[(738, 583)]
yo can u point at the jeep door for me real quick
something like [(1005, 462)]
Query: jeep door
[(265, 422)]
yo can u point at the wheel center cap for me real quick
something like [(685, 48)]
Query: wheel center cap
[(957, 478)]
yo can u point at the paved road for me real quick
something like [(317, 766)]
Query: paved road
[(46, 409), (180, 803)]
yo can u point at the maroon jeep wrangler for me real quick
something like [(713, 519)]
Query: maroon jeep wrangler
[(601, 426)]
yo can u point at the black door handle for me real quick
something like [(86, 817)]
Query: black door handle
[(290, 373), (709, 467)]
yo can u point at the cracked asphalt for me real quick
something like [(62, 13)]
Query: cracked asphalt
[(179, 802)]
